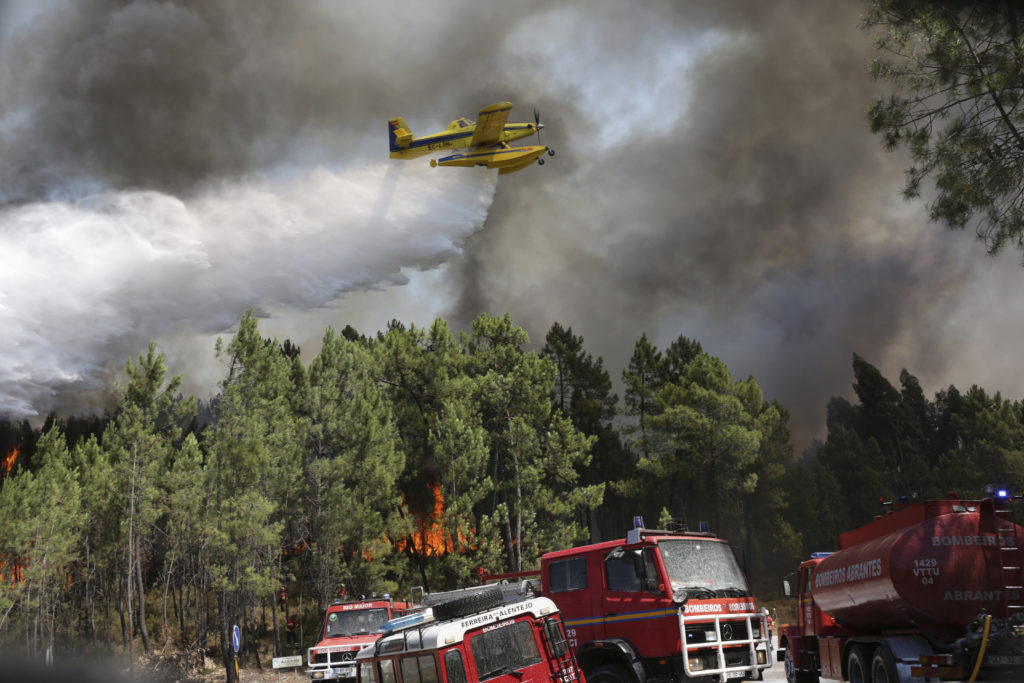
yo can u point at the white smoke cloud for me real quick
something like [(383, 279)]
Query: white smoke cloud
[(86, 283)]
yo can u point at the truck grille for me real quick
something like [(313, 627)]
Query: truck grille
[(724, 646), (334, 657), (697, 634)]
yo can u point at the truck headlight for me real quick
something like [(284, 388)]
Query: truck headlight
[(696, 664)]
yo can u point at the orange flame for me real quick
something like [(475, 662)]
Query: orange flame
[(7, 464), (430, 535), (11, 571)]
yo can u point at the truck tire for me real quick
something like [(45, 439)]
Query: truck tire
[(794, 675), (857, 670), (608, 673), (468, 604), (883, 666)]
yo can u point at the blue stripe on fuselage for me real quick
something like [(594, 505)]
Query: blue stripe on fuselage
[(435, 139)]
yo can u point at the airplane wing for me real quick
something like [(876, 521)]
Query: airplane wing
[(491, 124)]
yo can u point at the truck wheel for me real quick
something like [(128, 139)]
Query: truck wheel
[(883, 667), (608, 673), (794, 675), (857, 670), (468, 604)]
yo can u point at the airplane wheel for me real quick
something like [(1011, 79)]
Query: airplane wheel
[(540, 161), (551, 152)]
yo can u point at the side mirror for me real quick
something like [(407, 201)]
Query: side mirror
[(787, 590)]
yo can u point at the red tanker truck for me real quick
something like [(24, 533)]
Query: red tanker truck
[(931, 591)]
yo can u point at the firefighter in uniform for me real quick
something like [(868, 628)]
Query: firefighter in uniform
[(292, 627)]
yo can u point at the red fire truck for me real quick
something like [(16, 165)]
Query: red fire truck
[(931, 591), (346, 629), (473, 635), (659, 605)]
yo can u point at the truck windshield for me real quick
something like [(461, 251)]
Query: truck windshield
[(354, 623), (698, 568), (505, 649)]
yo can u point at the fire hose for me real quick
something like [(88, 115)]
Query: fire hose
[(981, 650)]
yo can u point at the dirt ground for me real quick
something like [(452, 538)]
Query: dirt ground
[(282, 675), (161, 669)]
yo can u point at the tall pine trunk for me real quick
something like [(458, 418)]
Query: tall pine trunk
[(143, 631), (226, 646)]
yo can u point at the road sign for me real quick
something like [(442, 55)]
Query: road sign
[(287, 662), (236, 638)]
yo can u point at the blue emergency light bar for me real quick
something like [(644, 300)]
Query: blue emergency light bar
[(408, 621)]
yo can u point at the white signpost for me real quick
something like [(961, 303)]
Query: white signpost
[(287, 663)]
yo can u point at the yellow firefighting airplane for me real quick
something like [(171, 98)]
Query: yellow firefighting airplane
[(486, 141)]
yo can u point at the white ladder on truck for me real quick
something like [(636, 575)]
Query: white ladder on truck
[(1011, 553)]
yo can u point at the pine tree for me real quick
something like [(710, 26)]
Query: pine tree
[(715, 446), (354, 466), (534, 452), (139, 448), (43, 522), (643, 377), (423, 373), (254, 452), (958, 90), (583, 393)]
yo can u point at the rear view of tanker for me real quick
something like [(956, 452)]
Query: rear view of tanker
[(932, 591)]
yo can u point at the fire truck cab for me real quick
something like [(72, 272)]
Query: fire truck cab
[(347, 628), (659, 605), (471, 636)]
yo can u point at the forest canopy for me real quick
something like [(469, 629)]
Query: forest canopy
[(417, 455)]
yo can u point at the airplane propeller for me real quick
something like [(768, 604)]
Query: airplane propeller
[(539, 125)]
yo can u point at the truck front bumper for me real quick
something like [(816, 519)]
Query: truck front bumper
[(333, 673)]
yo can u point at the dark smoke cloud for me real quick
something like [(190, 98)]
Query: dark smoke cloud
[(164, 95), (715, 177), (763, 222)]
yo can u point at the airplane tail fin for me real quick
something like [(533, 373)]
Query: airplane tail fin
[(399, 134)]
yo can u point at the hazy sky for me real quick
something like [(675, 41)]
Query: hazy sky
[(164, 166)]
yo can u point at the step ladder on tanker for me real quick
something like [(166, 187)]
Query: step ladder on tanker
[(1011, 552)]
